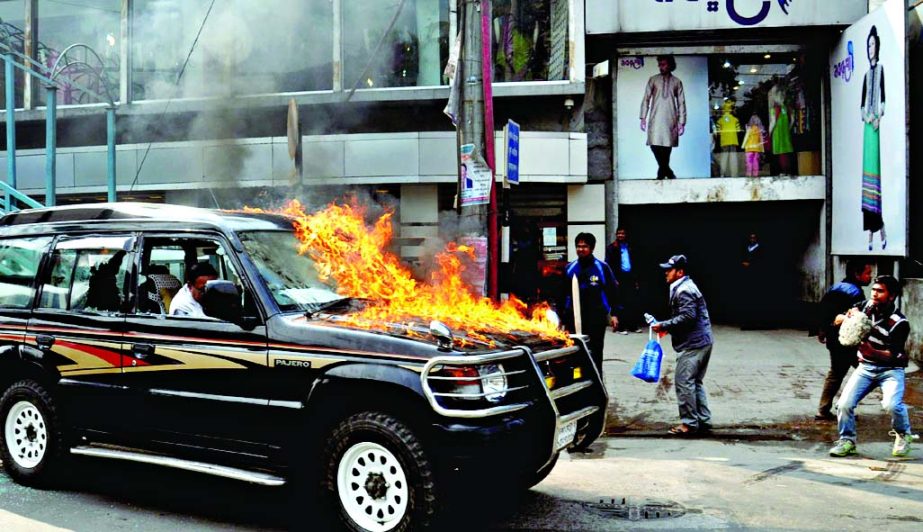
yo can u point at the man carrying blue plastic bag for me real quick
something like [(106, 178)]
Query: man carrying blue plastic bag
[(648, 366), (690, 330)]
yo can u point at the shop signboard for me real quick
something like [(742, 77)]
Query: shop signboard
[(868, 87), (629, 16)]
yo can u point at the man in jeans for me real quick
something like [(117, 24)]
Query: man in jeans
[(882, 359), (840, 298), (690, 328)]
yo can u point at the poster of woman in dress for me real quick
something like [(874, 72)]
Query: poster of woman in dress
[(868, 107), (873, 109)]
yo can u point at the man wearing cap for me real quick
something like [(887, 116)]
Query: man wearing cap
[(690, 328)]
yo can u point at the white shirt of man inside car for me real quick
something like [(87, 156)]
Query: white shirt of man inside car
[(187, 302)]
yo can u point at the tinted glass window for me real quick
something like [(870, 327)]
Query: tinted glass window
[(19, 261), (88, 274)]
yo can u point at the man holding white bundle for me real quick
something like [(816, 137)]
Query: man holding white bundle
[(882, 359)]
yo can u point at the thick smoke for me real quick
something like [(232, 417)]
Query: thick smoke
[(246, 47)]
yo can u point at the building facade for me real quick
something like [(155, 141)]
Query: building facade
[(203, 90)]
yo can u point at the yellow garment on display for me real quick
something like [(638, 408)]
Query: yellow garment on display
[(728, 127), (753, 141)]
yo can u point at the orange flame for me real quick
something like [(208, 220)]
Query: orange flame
[(355, 256)]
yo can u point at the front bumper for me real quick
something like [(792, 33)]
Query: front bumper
[(528, 428)]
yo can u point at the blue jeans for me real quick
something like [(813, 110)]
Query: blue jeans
[(864, 379)]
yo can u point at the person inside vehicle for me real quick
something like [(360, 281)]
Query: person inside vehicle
[(188, 301)]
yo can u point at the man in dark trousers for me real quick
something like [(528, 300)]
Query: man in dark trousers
[(621, 258), (840, 298), (597, 291), (690, 330)]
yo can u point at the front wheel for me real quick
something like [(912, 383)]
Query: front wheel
[(377, 475), (31, 442)]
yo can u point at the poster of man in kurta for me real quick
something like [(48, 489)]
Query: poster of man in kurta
[(869, 135), (669, 94), (663, 114)]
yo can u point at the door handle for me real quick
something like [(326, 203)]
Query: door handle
[(142, 350), (44, 341)]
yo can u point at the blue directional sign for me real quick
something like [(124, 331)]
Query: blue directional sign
[(512, 152)]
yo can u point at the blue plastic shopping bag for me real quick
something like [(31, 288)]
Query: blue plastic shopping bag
[(647, 368)]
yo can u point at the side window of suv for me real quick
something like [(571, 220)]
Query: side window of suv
[(19, 262), (88, 274), (166, 264)]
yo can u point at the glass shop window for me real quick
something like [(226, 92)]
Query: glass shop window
[(719, 115), (95, 23), (12, 13), (245, 47), (411, 52), (530, 40)]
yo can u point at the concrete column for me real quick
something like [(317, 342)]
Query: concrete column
[(30, 46), (125, 42)]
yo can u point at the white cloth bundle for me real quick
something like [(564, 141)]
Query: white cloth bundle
[(855, 329)]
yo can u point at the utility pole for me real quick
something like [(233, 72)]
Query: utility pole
[(476, 121)]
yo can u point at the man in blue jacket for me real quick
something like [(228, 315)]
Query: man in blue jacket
[(840, 298), (597, 290), (690, 330)]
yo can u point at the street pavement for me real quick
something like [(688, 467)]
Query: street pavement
[(762, 385), (765, 467)]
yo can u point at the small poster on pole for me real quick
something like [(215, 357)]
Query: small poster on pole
[(475, 177)]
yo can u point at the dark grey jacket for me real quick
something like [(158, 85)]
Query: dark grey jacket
[(690, 326)]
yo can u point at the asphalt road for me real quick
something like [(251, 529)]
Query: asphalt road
[(664, 484)]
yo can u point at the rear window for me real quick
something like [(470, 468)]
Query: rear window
[(19, 261)]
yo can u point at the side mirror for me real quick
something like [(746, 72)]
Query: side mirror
[(222, 301)]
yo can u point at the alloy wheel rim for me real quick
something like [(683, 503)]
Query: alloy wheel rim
[(372, 487), (26, 434)]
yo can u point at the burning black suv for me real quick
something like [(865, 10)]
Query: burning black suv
[(272, 387)]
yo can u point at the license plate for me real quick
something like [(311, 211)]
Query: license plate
[(566, 435)]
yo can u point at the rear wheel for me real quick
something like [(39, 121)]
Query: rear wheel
[(31, 443), (377, 475)]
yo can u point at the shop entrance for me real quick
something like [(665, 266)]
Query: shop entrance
[(769, 293)]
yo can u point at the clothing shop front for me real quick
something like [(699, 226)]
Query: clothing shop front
[(720, 130)]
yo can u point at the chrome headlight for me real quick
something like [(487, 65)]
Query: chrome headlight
[(493, 381)]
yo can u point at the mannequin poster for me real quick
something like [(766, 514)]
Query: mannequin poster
[(663, 117), (868, 89)]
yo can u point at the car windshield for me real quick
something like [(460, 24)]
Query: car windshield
[(291, 278)]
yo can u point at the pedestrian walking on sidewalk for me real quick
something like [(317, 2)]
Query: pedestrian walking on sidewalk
[(882, 359), (690, 330), (840, 298), (597, 293)]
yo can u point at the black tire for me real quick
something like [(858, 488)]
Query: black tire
[(536, 478), (36, 447), (357, 438)]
